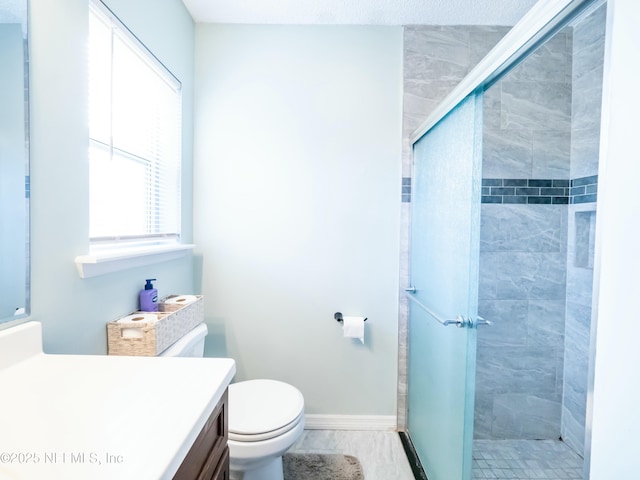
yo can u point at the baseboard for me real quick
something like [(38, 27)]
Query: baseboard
[(350, 422)]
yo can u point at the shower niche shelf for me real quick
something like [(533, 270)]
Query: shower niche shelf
[(585, 224)]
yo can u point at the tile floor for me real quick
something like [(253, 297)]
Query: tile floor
[(380, 452), (383, 458), (525, 459)]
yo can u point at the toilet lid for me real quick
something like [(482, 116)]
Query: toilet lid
[(260, 406)]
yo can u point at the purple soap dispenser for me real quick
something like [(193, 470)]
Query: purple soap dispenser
[(149, 297)]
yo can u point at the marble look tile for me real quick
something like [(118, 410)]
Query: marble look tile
[(448, 43), (532, 105), (589, 29), (402, 411), (380, 453), (560, 373), (411, 122), (587, 100), (586, 60), (507, 153), (406, 162), (435, 60), (550, 63), (587, 96), (402, 417), (546, 323), (417, 106), (522, 228), (502, 370), (582, 240), (577, 339), (585, 152), (525, 416), (575, 386), (483, 415), (482, 40), (491, 107), (573, 432), (574, 399), (429, 66), (551, 154), (509, 319), (430, 87), (578, 331), (525, 459), (488, 279), (520, 276), (580, 285), (569, 36), (405, 231), (403, 315)]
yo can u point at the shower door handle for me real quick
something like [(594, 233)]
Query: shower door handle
[(459, 321)]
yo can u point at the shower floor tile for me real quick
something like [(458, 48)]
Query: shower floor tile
[(525, 459)]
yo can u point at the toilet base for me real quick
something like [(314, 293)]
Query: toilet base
[(269, 471)]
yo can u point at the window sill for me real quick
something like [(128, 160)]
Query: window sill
[(103, 263)]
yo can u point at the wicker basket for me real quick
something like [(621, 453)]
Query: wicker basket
[(174, 321)]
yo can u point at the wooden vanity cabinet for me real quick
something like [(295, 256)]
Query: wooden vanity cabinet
[(208, 458)]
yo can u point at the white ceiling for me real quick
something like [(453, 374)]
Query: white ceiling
[(360, 12)]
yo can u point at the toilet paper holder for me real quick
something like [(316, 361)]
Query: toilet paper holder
[(338, 317)]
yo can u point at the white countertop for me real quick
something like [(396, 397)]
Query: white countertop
[(101, 417)]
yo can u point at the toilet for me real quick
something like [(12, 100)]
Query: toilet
[(266, 417)]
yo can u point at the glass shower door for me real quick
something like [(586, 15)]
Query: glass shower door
[(445, 226)]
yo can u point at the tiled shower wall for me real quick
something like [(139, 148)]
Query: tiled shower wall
[(541, 145), (523, 246), (588, 53)]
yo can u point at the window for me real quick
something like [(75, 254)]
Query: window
[(135, 139)]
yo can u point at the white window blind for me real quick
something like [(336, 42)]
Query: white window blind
[(135, 139)]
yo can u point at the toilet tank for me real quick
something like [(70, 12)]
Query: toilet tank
[(190, 345)]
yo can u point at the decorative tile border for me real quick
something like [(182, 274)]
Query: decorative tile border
[(525, 191), (541, 191), (584, 189), (406, 189)]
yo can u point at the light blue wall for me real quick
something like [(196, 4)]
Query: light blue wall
[(74, 311), (298, 175)]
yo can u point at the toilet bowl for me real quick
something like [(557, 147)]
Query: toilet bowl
[(266, 417)]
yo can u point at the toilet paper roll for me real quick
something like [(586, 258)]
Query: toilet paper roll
[(181, 300), (141, 319), (353, 327)]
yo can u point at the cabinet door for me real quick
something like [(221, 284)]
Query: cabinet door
[(204, 458)]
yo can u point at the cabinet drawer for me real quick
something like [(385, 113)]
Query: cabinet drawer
[(222, 472), (209, 448)]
